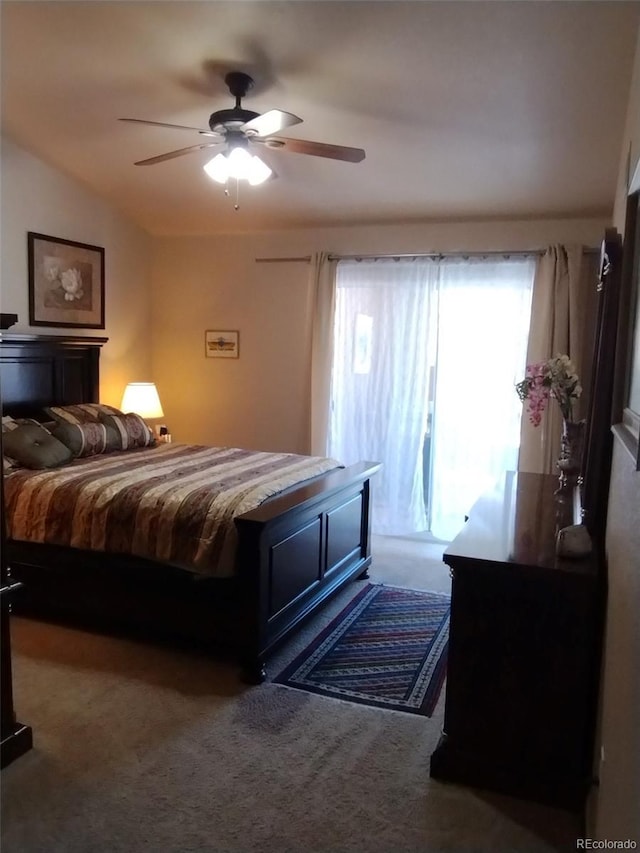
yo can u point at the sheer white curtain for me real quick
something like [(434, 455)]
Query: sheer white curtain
[(483, 326), (465, 322), (384, 321)]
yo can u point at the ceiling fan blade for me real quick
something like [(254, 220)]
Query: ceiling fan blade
[(160, 158), (318, 149), (174, 126), (270, 122)]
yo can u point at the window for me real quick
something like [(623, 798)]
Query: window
[(426, 355)]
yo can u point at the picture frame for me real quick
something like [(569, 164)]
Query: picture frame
[(222, 343), (66, 283)]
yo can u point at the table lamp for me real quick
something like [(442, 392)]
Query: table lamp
[(142, 398)]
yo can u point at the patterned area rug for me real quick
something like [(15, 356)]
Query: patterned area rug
[(387, 648)]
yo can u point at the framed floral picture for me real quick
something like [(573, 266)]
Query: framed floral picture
[(66, 283)]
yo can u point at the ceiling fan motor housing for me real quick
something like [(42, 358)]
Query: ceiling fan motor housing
[(223, 120), (239, 84)]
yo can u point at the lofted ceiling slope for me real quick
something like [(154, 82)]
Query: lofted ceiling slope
[(466, 110)]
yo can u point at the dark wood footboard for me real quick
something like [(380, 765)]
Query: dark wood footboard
[(296, 551)]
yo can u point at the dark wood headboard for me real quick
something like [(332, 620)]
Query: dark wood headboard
[(44, 370)]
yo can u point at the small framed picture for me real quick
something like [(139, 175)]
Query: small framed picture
[(66, 282), (218, 344)]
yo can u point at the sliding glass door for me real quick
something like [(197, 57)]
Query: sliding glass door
[(484, 309), (426, 355), (383, 345)]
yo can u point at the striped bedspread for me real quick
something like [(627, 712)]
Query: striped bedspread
[(173, 503)]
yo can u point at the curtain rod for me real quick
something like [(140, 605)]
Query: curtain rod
[(437, 255), (525, 253), (515, 253), (303, 260)]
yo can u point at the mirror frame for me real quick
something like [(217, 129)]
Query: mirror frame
[(627, 412)]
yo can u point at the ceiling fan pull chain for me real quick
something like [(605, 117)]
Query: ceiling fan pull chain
[(228, 194)]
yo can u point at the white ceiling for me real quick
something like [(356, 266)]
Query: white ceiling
[(465, 109)]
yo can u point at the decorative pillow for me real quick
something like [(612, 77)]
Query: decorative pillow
[(34, 447), (132, 430), (9, 423), (88, 439), (82, 413), (9, 464)]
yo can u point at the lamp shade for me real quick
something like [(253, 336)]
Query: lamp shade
[(142, 398)]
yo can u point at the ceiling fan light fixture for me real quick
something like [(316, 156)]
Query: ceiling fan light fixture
[(258, 172), (218, 169), (237, 163)]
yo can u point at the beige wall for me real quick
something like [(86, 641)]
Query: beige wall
[(614, 811), (261, 400), (35, 197), (630, 153)]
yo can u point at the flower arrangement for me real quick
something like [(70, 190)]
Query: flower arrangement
[(555, 378)]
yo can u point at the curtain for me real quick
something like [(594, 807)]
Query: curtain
[(483, 324), (562, 322), (323, 285), (426, 356), (385, 315)]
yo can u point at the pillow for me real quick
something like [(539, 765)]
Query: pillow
[(10, 464), (34, 447), (82, 413), (88, 439), (132, 430), (9, 423)]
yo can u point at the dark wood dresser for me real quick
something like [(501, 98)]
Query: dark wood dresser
[(523, 650)]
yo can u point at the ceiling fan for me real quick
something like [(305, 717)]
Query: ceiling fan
[(238, 129)]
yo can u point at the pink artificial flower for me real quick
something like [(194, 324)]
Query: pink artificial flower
[(555, 378)]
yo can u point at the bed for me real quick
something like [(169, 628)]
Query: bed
[(291, 553)]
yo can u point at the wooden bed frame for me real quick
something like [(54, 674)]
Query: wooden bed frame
[(294, 551)]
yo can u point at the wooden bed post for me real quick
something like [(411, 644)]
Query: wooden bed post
[(251, 568), (366, 529)]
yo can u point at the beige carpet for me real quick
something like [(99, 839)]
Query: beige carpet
[(140, 747)]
